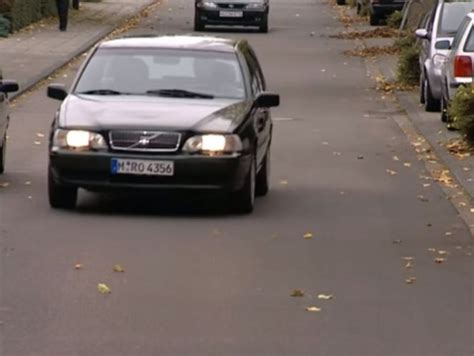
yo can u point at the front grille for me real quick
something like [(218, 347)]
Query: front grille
[(145, 141), (232, 6)]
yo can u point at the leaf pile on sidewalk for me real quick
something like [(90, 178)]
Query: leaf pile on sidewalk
[(381, 32), (372, 52), (459, 148), (391, 86)]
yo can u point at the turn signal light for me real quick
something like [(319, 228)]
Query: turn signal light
[(463, 66)]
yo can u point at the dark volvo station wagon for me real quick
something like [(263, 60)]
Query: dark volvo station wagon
[(172, 112)]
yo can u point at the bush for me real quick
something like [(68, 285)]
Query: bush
[(461, 111), (405, 42), (395, 19), (21, 13), (408, 72), (4, 26)]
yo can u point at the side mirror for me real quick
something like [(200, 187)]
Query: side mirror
[(57, 91), (9, 86), (423, 34), (267, 100)]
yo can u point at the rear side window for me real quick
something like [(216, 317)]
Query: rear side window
[(469, 46), (462, 29), (452, 15)]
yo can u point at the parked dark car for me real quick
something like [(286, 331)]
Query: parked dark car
[(6, 86), (231, 13), (379, 9), (173, 112)]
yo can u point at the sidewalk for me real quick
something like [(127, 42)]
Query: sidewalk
[(32, 54), (429, 125)]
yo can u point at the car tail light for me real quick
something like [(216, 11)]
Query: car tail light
[(463, 66)]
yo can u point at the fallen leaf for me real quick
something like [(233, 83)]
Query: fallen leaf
[(439, 260), (391, 172), (119, 269), (360, 157), (78, 266), (407, 164), (325, 296), (408, 258), (39, 134), (297, 293), (449, 233), (423, 198), (283, 182), (4, 184), (103, 288), (409, 265), (410, 280), (443, 253), (308, 236), (395, 158), (431, 249), (313, 309), (27, 183), (397, 241)]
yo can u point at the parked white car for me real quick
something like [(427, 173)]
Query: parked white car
[(458, 67)]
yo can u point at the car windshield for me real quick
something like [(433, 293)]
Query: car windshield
[(160, 72), (451, 16)]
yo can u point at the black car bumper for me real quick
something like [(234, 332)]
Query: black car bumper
[(93, 171), (248, 18), (383, 10)]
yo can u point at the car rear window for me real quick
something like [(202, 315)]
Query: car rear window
[(469, 46), (451, 16), (138, 71)]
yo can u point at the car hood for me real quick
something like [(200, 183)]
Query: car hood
[(102, 113)]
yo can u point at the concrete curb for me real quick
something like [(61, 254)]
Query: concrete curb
[(43, 74)]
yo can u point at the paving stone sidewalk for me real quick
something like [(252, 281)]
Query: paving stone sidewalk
[(32, 54)]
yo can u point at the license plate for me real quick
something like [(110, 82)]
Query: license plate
[(142, 167), (231, 14)]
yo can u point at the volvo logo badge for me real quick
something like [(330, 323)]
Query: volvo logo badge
[(144, 141)]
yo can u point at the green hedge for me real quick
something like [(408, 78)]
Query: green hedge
[(461, 111)]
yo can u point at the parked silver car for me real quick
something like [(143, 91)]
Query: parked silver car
[(437, 34), (6, 86), (458, 68)]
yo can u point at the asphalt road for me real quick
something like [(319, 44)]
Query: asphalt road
[(201, 282)]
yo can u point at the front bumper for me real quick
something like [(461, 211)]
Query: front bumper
[(249, 17), (92, 171)]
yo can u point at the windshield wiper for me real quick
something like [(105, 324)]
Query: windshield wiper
[(102, 92), (180, 93)]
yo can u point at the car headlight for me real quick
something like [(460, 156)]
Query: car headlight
[(213, 144), (78, 140), (256, 5), (208, 4), (439, 61)]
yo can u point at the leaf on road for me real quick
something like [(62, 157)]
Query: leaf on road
[(396, 158), (440, 260), (409, 265), (396, 242), (78, 266), (360, 157), (426, 185), (423, 198), (408, 258), (297, 293), (283, 182), (39, 134), (431, 249), (119, 269), (325, 296), (308, 236), (448, 233), (37, 143), (410, 280), (443, 253), (313, 309), (391, 172), (4, 184), (27, 182), (103, 288)]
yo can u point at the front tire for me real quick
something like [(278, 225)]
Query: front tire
[(374, 20), (341, 2), (61, 197), (431, 104), (244, 199), (3, 154), (264, 24), (198, 23), (444, 110), (263, 177)]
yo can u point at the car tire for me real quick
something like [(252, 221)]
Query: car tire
[(422, 89), (198, 23), (359, 9), (244, 199), (263, 176), (61, 197), (431, 104), (3, 154), (263, 28), (374, 20), (444, 110), (341, 2)]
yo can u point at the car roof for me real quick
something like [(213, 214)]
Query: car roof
[(201, 43)]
